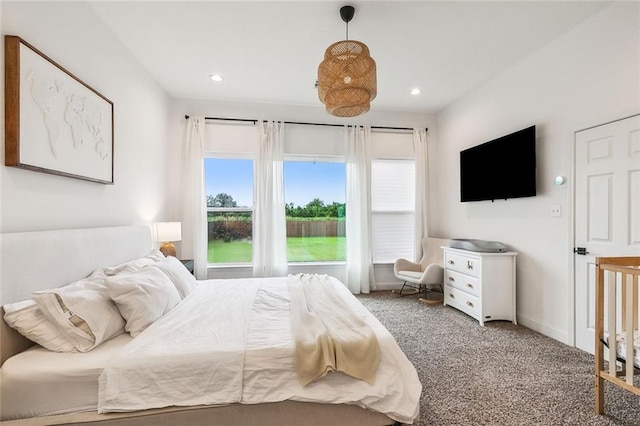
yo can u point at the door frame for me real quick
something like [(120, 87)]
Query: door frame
[(571, 201)]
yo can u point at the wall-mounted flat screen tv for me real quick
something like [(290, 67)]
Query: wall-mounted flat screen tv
[(500, 169)]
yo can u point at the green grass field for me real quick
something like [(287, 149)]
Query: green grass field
[(299, 249)]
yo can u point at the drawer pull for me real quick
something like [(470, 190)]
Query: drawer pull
[(469, 285), (451, 279), (469, 264), (451, 262), (451, 296), (470, 304)]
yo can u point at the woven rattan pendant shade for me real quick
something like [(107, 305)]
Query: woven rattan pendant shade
[(347, 79), (347, 76)]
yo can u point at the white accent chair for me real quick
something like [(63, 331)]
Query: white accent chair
[(426, 274)]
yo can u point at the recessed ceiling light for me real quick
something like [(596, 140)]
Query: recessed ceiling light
[(415, 91), (216, 77)]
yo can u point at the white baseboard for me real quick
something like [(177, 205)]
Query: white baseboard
[(547, 330), (389, 286)]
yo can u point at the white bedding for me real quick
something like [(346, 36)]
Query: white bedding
[(191, 365), (40, 382), (255, 366), (621, 346)]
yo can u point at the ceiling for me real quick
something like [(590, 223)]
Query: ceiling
[(269, 52)]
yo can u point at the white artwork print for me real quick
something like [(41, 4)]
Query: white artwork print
[(64, 126)]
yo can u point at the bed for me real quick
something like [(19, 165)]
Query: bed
[(41, 387), (617, 336)]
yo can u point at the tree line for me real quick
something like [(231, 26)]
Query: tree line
[(314, 208)]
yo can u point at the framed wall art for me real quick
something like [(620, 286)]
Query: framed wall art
[(54, 122)]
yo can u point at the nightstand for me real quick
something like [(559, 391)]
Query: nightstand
[(188, 263)]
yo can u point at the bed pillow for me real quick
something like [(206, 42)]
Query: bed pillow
[(27, 318), (178, 274), (156, 255), (82, 311), (135, 264), (142, 297)]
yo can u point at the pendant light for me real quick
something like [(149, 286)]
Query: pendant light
[(347, 75)]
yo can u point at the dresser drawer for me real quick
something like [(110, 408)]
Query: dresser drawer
[(462, 282), (463, 301), (461, 263)]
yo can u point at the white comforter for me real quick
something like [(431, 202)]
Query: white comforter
[(230, 341)]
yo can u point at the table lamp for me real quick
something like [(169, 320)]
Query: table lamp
[(167, 233)]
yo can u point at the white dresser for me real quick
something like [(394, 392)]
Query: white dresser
[(482, 285)]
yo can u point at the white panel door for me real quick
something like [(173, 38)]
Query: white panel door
[(607, 210)]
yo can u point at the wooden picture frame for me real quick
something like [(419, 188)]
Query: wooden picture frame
[(54, 122)]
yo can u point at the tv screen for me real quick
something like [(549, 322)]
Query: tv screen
[(500, 169)]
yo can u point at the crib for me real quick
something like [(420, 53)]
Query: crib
[(617, 303)]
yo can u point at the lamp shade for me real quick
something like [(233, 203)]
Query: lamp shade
[(347, 80), (168, 231)]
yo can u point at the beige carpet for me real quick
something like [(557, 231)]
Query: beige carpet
[(500, 374)]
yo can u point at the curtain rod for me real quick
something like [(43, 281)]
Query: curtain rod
[(254, 121)]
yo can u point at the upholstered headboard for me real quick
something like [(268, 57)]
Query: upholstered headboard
[(39, 260)]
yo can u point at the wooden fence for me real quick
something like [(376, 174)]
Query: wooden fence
[(315, 228), (242, 229)]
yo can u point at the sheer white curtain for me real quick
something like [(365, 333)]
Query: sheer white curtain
[(358, 216), (194, 214), (422, 195), (270, 228)]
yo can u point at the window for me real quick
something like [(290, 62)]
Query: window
[(315, 208), (229, 186), (392, 210)]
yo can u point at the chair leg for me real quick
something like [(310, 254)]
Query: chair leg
[(400, 293), (424, 289), (428, 301)]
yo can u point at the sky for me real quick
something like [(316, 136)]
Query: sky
[(303, 180)]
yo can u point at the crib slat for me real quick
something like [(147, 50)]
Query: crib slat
[(635, 301), (599, 347), (628, 284), (611, 282), (623, 291)]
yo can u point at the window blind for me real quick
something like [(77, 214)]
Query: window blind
[(392, 209)]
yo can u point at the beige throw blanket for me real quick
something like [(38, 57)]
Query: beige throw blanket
[(329, 336)]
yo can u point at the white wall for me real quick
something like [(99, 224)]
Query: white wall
[(587, 77), (71, 34)]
